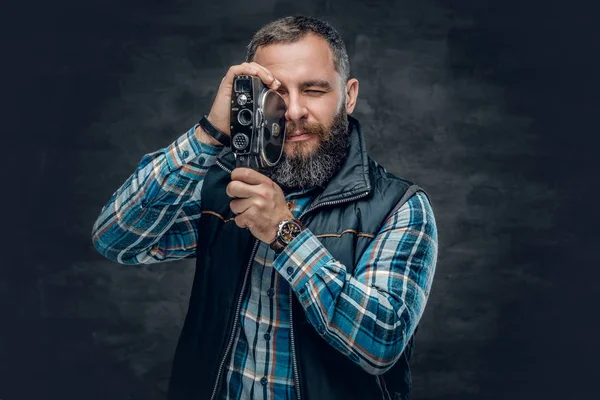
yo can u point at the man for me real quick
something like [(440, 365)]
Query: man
[(311, 278)]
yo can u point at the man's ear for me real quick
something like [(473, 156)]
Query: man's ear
[(351, 94)]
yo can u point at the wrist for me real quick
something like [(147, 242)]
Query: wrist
[(215, 133), (218, 123), (204, 137)]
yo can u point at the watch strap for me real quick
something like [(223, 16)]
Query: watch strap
[(214, 132), (277, 245)]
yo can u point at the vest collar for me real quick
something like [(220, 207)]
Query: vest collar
[(352, 180)]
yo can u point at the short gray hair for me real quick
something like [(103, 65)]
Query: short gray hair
[(293, 29)]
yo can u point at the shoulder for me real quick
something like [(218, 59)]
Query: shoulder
[(382, 176), (383, 181), (415, 215)]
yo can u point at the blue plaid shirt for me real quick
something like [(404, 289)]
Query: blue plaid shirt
[(368, 316)]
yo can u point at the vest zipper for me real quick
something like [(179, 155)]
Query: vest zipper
[(235, 321), (294, 364), (223, 167), (379, 380), (328, 203)]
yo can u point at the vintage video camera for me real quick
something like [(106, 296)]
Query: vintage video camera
[(257, 123)]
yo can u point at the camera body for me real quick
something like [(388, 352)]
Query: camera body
[(257, 123)]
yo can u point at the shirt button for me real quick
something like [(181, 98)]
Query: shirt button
[(271, 292), (185, 153), (267, 336), (290, 270), (264, 381), (201, 160)]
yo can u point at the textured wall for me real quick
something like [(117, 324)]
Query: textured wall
[(485, 104)]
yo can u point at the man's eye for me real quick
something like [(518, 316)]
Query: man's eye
[(315, 91)]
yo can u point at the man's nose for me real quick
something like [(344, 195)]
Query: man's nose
[(296, 109)]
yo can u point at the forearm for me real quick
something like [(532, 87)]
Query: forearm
[(151, 217), (370, 315)]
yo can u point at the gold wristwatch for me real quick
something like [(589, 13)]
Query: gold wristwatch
[(286, 232)]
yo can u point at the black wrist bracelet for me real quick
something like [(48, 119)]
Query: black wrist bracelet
[(214, 132)]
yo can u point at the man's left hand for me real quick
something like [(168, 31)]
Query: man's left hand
[(259, 203)]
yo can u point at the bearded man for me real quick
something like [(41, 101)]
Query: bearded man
[(311, 277)]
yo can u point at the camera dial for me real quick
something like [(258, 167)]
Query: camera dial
[(242, 99)]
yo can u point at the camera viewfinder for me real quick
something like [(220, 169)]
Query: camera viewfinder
[(243, 85)]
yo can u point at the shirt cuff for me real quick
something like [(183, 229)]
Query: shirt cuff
[(301, 259), (188, 148)]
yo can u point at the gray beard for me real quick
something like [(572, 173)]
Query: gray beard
[(317, 169)]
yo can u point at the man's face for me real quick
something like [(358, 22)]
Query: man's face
[(311, 88), (318, 104)]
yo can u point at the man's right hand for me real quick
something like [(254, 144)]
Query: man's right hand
[(221, 108)]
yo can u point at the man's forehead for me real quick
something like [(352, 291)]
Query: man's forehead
[(310, 58)]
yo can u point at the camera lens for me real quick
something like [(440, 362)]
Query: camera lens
[(245, 117)]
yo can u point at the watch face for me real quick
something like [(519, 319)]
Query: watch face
[(289, 231)]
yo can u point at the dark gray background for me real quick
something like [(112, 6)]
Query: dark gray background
[(490, 105)]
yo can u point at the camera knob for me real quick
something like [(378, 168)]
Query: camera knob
[(240, 141), (242, 99)]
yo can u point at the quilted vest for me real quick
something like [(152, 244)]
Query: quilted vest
[(345, 217)]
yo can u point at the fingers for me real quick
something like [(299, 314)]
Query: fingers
[(241, 223), (239, 206), (251, 69), (249, 176), (246, 182), (266, 76), (246, 219), (241, 190), (242, 210), (246, 211), (220, 111)]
